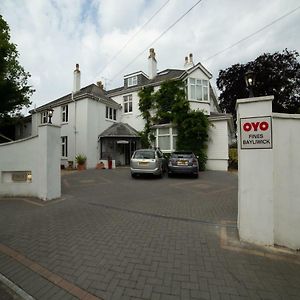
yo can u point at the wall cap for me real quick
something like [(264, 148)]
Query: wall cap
[(285, 116), (19, 141), (254, 99), (50, 125)]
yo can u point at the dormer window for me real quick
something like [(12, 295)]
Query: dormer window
[(197, 89), (131, 81)]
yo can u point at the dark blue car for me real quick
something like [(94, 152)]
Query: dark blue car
[(183, 162)]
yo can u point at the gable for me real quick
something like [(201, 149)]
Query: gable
[(198, 73)]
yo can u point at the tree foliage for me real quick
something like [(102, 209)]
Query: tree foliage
[(277, 74), (169, 105), (14, 89)]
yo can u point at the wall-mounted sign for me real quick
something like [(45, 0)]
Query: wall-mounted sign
[(256, 133), (21, 176)]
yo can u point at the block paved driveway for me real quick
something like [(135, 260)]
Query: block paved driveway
[(113, 237)]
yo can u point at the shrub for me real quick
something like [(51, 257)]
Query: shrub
[(202, 158), (233, 158)]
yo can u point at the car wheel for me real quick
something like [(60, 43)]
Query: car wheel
[(133, 175), (170, 174), (196, 175)]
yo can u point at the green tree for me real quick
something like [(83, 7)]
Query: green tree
[(277, 74), (14, 90)]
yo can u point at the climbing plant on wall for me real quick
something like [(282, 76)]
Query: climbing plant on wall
[(170, 105)]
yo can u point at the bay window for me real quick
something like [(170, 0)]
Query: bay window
[(198, 89)]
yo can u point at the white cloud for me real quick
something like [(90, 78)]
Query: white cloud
[(52, 36)]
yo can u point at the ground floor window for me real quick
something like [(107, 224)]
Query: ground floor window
[(64, 146), (165, 138)]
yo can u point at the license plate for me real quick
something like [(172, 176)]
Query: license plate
[(182, 163), (143, 163)]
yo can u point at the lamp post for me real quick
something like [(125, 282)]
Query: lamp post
[(50, 115), (250, 82)]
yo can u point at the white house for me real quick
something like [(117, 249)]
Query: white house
[(105, 124)]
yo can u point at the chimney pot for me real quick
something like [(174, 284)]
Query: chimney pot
[(188, 61), (100, 84)]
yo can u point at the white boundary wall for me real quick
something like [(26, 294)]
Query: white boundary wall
[(269, 189), (217, 145), (39, 155)]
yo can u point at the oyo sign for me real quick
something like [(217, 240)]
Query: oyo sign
[(256, 133)]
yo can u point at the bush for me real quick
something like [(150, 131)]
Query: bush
[(233, 158), (202, 158)]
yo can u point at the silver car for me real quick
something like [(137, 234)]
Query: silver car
[(147, 161)]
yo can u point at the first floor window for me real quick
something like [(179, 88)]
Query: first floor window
[(64, 114), (44, 117), (197, 89), (127, 103), (111, 113), (64, 146)]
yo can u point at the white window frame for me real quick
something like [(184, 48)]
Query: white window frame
[(110, 113), (64, 146), (127, 101), (131, 81), (202, 85), (44, 117), (65, 114), (169, 134)]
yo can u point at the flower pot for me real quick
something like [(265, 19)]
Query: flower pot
[(81, 167)]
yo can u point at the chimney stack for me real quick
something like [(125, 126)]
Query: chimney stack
[(76, 81), (188, 63), (152, 64)]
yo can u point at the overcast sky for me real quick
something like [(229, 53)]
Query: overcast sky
[(53, 35)]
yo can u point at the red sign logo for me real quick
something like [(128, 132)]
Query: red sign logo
[(263, 126)]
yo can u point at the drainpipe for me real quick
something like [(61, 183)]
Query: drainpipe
[(76, 88), (75, 120)]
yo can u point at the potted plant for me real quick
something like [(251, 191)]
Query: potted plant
[(81, 162)]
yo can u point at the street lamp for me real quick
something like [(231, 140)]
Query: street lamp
[(250, 82), (50, 114)]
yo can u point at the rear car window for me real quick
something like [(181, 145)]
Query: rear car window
[(144, 155), (182, 155)]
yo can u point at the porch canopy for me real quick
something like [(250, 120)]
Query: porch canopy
[(118, 142)]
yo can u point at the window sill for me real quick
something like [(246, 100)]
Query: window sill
[(199, 101), (64, 123), (128, 113), (110, 120)]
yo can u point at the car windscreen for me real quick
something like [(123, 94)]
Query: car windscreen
[(144, 155), (182, 155)]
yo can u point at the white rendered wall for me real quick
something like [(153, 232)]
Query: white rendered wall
[(286, 141), (134, 118), (217, 146), (255, 186), (96, 123), (41, 156)]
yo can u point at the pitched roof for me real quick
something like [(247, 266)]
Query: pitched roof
[(92, 91), (120, 130), (167, 74)]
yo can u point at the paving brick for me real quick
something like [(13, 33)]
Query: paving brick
[(141, 239)]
